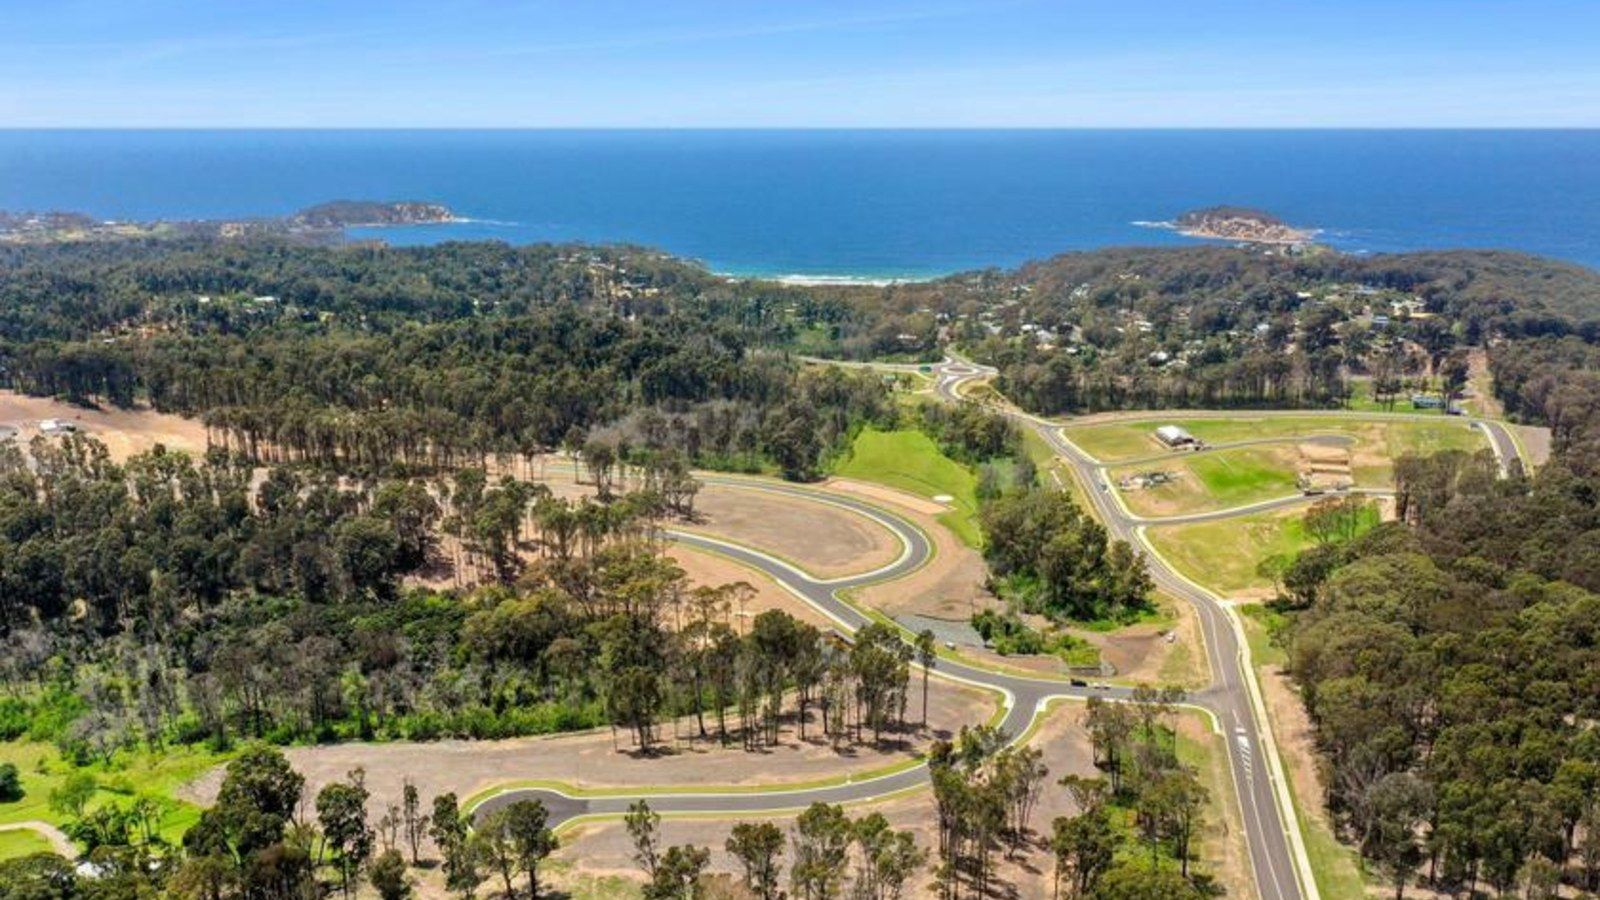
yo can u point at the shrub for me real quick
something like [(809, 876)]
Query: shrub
[(10, 783)]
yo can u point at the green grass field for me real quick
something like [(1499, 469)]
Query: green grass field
[(22, 842), (1224, 555), (1211, 481), (1374, 436), (154, 774), (908, 460)]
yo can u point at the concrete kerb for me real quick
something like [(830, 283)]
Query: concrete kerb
[(1258, 710)]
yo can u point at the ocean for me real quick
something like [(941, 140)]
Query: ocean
[(847, 204)]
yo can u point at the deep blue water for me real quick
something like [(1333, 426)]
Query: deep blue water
[(857, 203)]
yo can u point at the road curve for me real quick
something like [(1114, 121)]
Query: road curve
[(1278, 862), (1277, 855), (1023, 697), (1270, 837)]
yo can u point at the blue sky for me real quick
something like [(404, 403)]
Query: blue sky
[(1069, 63)]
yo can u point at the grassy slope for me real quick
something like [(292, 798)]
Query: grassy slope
[(22, 843), (1131, 440), (1223, 555), (157, 774), (910, 461)]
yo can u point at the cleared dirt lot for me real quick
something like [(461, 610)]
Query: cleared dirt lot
[(125, 432), (602, 849), (949, 586), (827, 541), (588, 759)]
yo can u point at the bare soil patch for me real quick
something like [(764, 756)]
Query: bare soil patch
[(1142, 652), (602, 849), (827, 540), (949, 586), (884, 494), (125, 432), (711, 570)]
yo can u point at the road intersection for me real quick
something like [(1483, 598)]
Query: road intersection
[(1278, 859)]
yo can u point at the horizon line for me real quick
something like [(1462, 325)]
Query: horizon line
[(806, 128)]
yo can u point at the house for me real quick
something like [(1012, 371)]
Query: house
[(1175, 437), (1426, 401)]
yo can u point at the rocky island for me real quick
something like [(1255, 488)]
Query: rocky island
[(371, 214), (322, 223), (1239, 223)]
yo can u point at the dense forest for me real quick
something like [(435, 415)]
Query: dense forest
[(369, 410), (1209, 327), (375, 358), (1451, 660)]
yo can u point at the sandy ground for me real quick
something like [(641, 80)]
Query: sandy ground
[(827, 541), (125, 432)]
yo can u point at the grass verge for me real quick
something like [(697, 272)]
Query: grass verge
[(22, 842)]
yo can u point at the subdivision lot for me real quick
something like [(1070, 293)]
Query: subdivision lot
[(597, 857), (710, 570), (591, 760), (825, 540), (1225, 554), (1376, 442), (125, 432), (1211, 481)]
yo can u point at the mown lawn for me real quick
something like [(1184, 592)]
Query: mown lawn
[(1377, 436), (130, 775), (1212, 481), (908, 460), (22, 842), (1224, 555)]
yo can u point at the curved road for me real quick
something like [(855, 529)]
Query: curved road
[(1023, 696), (1277, 857)]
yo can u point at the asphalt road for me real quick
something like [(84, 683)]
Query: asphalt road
[(1023, 697), (1252, 762)]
